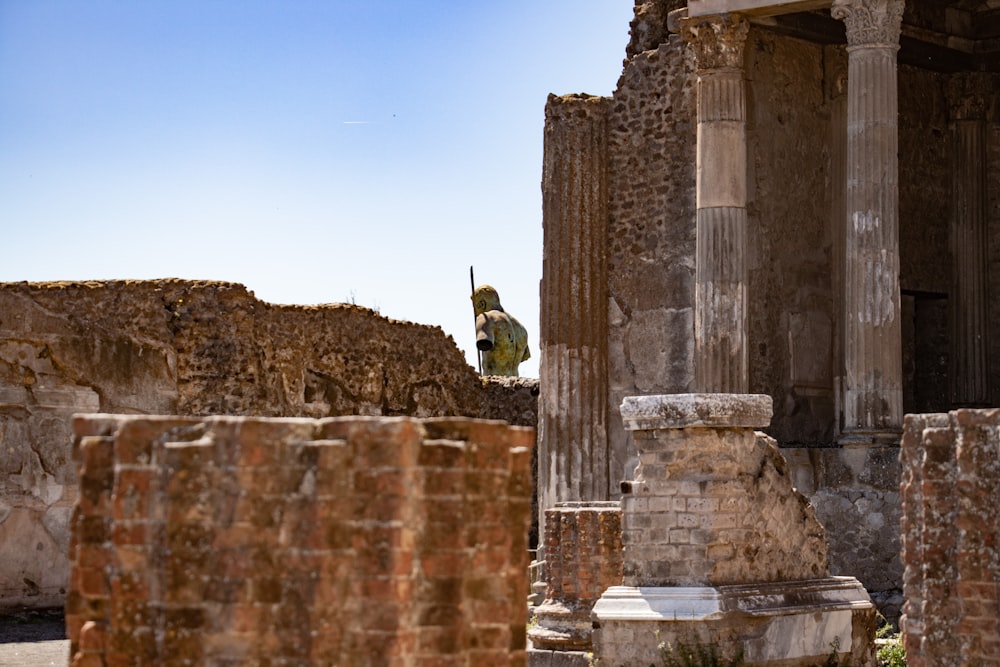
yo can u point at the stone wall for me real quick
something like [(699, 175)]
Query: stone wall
[(342, 541), (951, 538), (651, 234), (791, 311), (192, 348), (855, 492)]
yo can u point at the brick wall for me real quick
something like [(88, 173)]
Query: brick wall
[(351, 541), (951, 538), (193, 348)]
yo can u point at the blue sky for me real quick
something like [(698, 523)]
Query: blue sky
[(316, 152)]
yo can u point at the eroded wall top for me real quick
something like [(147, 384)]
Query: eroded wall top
[(191, 348)]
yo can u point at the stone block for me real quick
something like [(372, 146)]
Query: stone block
[(796, 623)]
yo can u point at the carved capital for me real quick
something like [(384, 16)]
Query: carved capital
[(968, 95), (717, 41), (870, 23)]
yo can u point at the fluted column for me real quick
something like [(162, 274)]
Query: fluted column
[(720, 256), (872, 384), (573, 460), (969, 311)]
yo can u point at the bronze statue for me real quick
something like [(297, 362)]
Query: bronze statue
[(502, 340)]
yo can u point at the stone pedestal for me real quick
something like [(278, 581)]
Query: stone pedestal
[(719, 549)]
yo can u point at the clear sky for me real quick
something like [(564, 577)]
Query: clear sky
[(314, 151)]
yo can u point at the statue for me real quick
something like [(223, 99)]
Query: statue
[(502, 340)]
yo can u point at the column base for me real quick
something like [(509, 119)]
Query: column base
[(561, 627), (790, 624)]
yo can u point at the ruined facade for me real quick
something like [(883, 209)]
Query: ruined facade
[(192, 348), (951, 538), (341, 541), (759, 235)]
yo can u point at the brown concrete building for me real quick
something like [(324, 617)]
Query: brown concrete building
[(798, 199)]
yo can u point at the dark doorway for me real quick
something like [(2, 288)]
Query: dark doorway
[(925, 352)]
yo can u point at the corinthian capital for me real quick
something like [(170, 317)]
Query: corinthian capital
[(870, 22), (718, 40)]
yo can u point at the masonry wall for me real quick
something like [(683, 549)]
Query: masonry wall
[(651, 236), (951, 538), (343, 541), (855, 493), (192, 348)]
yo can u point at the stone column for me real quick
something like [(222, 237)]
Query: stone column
[(969, 299), (573, 461), (720, 264), (872, 384)]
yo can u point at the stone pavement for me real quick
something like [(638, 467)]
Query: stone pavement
[(35, 654), (33, 638)]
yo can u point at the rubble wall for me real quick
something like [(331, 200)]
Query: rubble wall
[(342, 541), (855, 493), (192, 348), (651, 239), (651, 235), (951, 538)]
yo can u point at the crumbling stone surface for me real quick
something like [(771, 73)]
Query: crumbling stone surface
[(648, 28), (720, 511), (856, 495), (583, 557), (651, 236), (512, 399), (951, 538), (191, 348), (342, 541)]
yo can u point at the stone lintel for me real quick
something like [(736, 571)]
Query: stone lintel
[(705, 603), (697, 8), (862, 438), (676, 411)]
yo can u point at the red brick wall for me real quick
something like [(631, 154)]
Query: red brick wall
[(583, 551), (951, 538), (342, 541)]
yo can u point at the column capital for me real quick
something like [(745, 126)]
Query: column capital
[(968, 95), (717, 40), (870, 23)]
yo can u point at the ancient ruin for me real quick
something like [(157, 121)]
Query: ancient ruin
[(776, 237), (797, 199), (720, 550), (951, 538), (181, 347), (342, 541)]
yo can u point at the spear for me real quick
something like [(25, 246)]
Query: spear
[(479, 353)]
